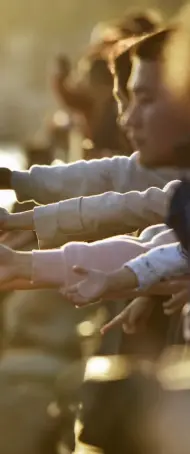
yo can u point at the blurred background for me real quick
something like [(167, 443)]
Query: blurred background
[(31, 35)]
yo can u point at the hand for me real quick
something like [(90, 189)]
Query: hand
[(8, 264), (176, 303), (133, 317), (92, 287), (97, 284)]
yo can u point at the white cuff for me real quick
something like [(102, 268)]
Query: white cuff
[(48, 266), (46, 221), (57, 220), (158, 263)]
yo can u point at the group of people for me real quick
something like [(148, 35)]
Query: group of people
[(105, 243)]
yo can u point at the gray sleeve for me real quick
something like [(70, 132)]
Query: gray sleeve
[(99, 216), (49, 184)]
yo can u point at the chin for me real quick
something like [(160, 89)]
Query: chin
[(153, 162), (148, 161)]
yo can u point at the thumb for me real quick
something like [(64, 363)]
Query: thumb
[(80, 270)]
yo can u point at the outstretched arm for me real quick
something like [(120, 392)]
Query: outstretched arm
[(91, 218), (140, 272), (55, 268), (49, 184)]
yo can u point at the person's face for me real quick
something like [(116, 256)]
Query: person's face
[(156, 120)]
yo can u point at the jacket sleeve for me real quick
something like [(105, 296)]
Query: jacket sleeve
[(56, 266), (158, 263), (49, 184), (92, 218)]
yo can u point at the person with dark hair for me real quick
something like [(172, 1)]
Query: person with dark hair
[(96, 215), (159, 122), (56, 190), (157, 118), (136, 24), (92, 97)]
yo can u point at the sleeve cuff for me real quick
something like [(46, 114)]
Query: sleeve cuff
[(48, 266), (46, 221), (56, 221), (158, 263)]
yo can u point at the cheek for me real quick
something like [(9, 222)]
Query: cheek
[(162, 126), (154, 129)]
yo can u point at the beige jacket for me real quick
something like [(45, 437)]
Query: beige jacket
[(75, 216), (49, 184), (90, 218)]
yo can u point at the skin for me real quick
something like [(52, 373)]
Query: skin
[(156, 119), (157, 122)]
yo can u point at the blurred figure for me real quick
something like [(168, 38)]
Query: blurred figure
[(91, 97)]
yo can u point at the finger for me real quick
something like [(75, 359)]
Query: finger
[(76, 299), (80, 270), (73, 289), (174, 309), (128, 329), (175, 303), (175, 299), (118, 320)]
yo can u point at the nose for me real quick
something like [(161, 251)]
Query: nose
[(123, 119), (132, 117)]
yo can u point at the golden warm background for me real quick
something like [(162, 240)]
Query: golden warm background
[(31, 34)]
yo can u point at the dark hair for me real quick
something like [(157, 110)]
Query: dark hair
[(99, 72), (136, 23), (152, 46), (133, 25), (122, 69)]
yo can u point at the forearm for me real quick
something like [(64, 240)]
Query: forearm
[(97, 216), (147, 269), (122, 280), (163, 288), (50, 184), (46, 184), (25, 284)]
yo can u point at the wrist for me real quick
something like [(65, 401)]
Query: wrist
[(122, 279)]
